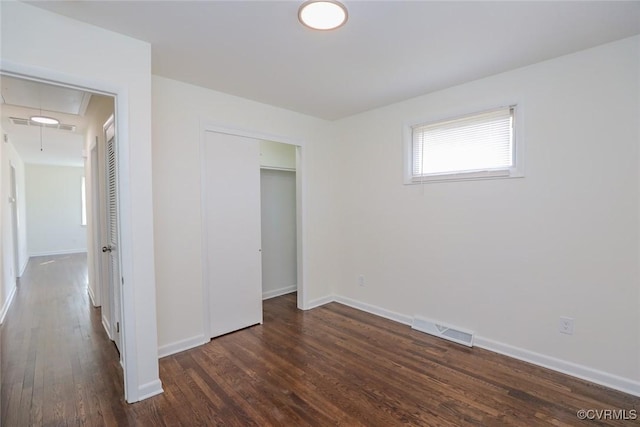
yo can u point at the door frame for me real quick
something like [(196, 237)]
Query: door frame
[(13, 184), (96, 223), (207, 126), (128, 353)]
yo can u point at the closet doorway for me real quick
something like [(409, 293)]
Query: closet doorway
[(278, 218)]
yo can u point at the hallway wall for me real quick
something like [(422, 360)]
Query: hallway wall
[(54, 208), (9, 157)]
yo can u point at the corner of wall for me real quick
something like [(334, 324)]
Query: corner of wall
[(7, 304)]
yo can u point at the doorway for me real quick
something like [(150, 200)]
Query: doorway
[(58, 147), (212, 201), (278, 215)]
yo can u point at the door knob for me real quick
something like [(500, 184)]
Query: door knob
[(106, 249)]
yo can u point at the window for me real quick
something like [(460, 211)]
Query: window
[(83, 195), (477, 146)]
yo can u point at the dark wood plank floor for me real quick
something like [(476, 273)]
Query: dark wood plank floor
[(329, 366)]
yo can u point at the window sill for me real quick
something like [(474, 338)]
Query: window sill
[(467, 176)]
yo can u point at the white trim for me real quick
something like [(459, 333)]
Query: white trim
[(107, 326), (210, 126), (92, 296), (301, 231), (373, 309), (150, 389), (273, 168), (7, 304), (58, 252), (318, 302), (204, 249), (301, 210), (278, 292), (182, 345), (573, 369), (23, 267)]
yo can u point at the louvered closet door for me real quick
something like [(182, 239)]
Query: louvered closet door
[(231, 193), (112, 232)]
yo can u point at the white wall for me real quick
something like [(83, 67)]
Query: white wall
[(278, 217), (178, 110), (45, 45), (10, 157), (506, 258), (54, 202)]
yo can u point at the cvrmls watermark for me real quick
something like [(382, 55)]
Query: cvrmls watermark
[(607, 414)]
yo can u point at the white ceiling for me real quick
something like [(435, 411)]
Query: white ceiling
[(388, 51), (48, 98), (41, 145)]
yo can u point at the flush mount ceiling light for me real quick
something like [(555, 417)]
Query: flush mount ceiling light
[(44, 120), (322, 14)]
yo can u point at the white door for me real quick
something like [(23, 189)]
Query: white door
[(231, 203), (111, 248)]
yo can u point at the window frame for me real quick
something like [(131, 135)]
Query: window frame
[(516, 171)]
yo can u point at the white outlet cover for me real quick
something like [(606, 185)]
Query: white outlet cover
[(566, 325)]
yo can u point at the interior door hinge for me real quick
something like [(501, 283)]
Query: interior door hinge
[(122, 278), (118, 327)]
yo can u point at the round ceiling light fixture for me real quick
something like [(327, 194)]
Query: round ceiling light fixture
[(322, 14), (44, 120)]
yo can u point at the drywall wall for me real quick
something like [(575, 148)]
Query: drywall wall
[(9, 157), (54, 207), (275, 155), (179, 110), (49, 46), (278, 218), (506, 258), (100, 108)]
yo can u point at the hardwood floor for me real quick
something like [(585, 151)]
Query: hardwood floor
[(329, 366)]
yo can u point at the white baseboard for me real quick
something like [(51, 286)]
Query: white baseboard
[(318, 302), (378, 311), (23, 267), (58, 252), (150, 389), (7, 304), (575, 370), (278, 292), (91, 296), (107, 326), (182, 345)]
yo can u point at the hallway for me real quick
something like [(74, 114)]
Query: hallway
[(57, 361)]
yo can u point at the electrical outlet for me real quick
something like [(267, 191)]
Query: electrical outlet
[(361, 280), (566, 325)]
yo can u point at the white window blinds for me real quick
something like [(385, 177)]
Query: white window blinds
[(481, 143)]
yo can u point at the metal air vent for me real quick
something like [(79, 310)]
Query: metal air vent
[(441, 330), (26, 122)]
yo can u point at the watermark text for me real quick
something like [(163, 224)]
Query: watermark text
[(607, 414)]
